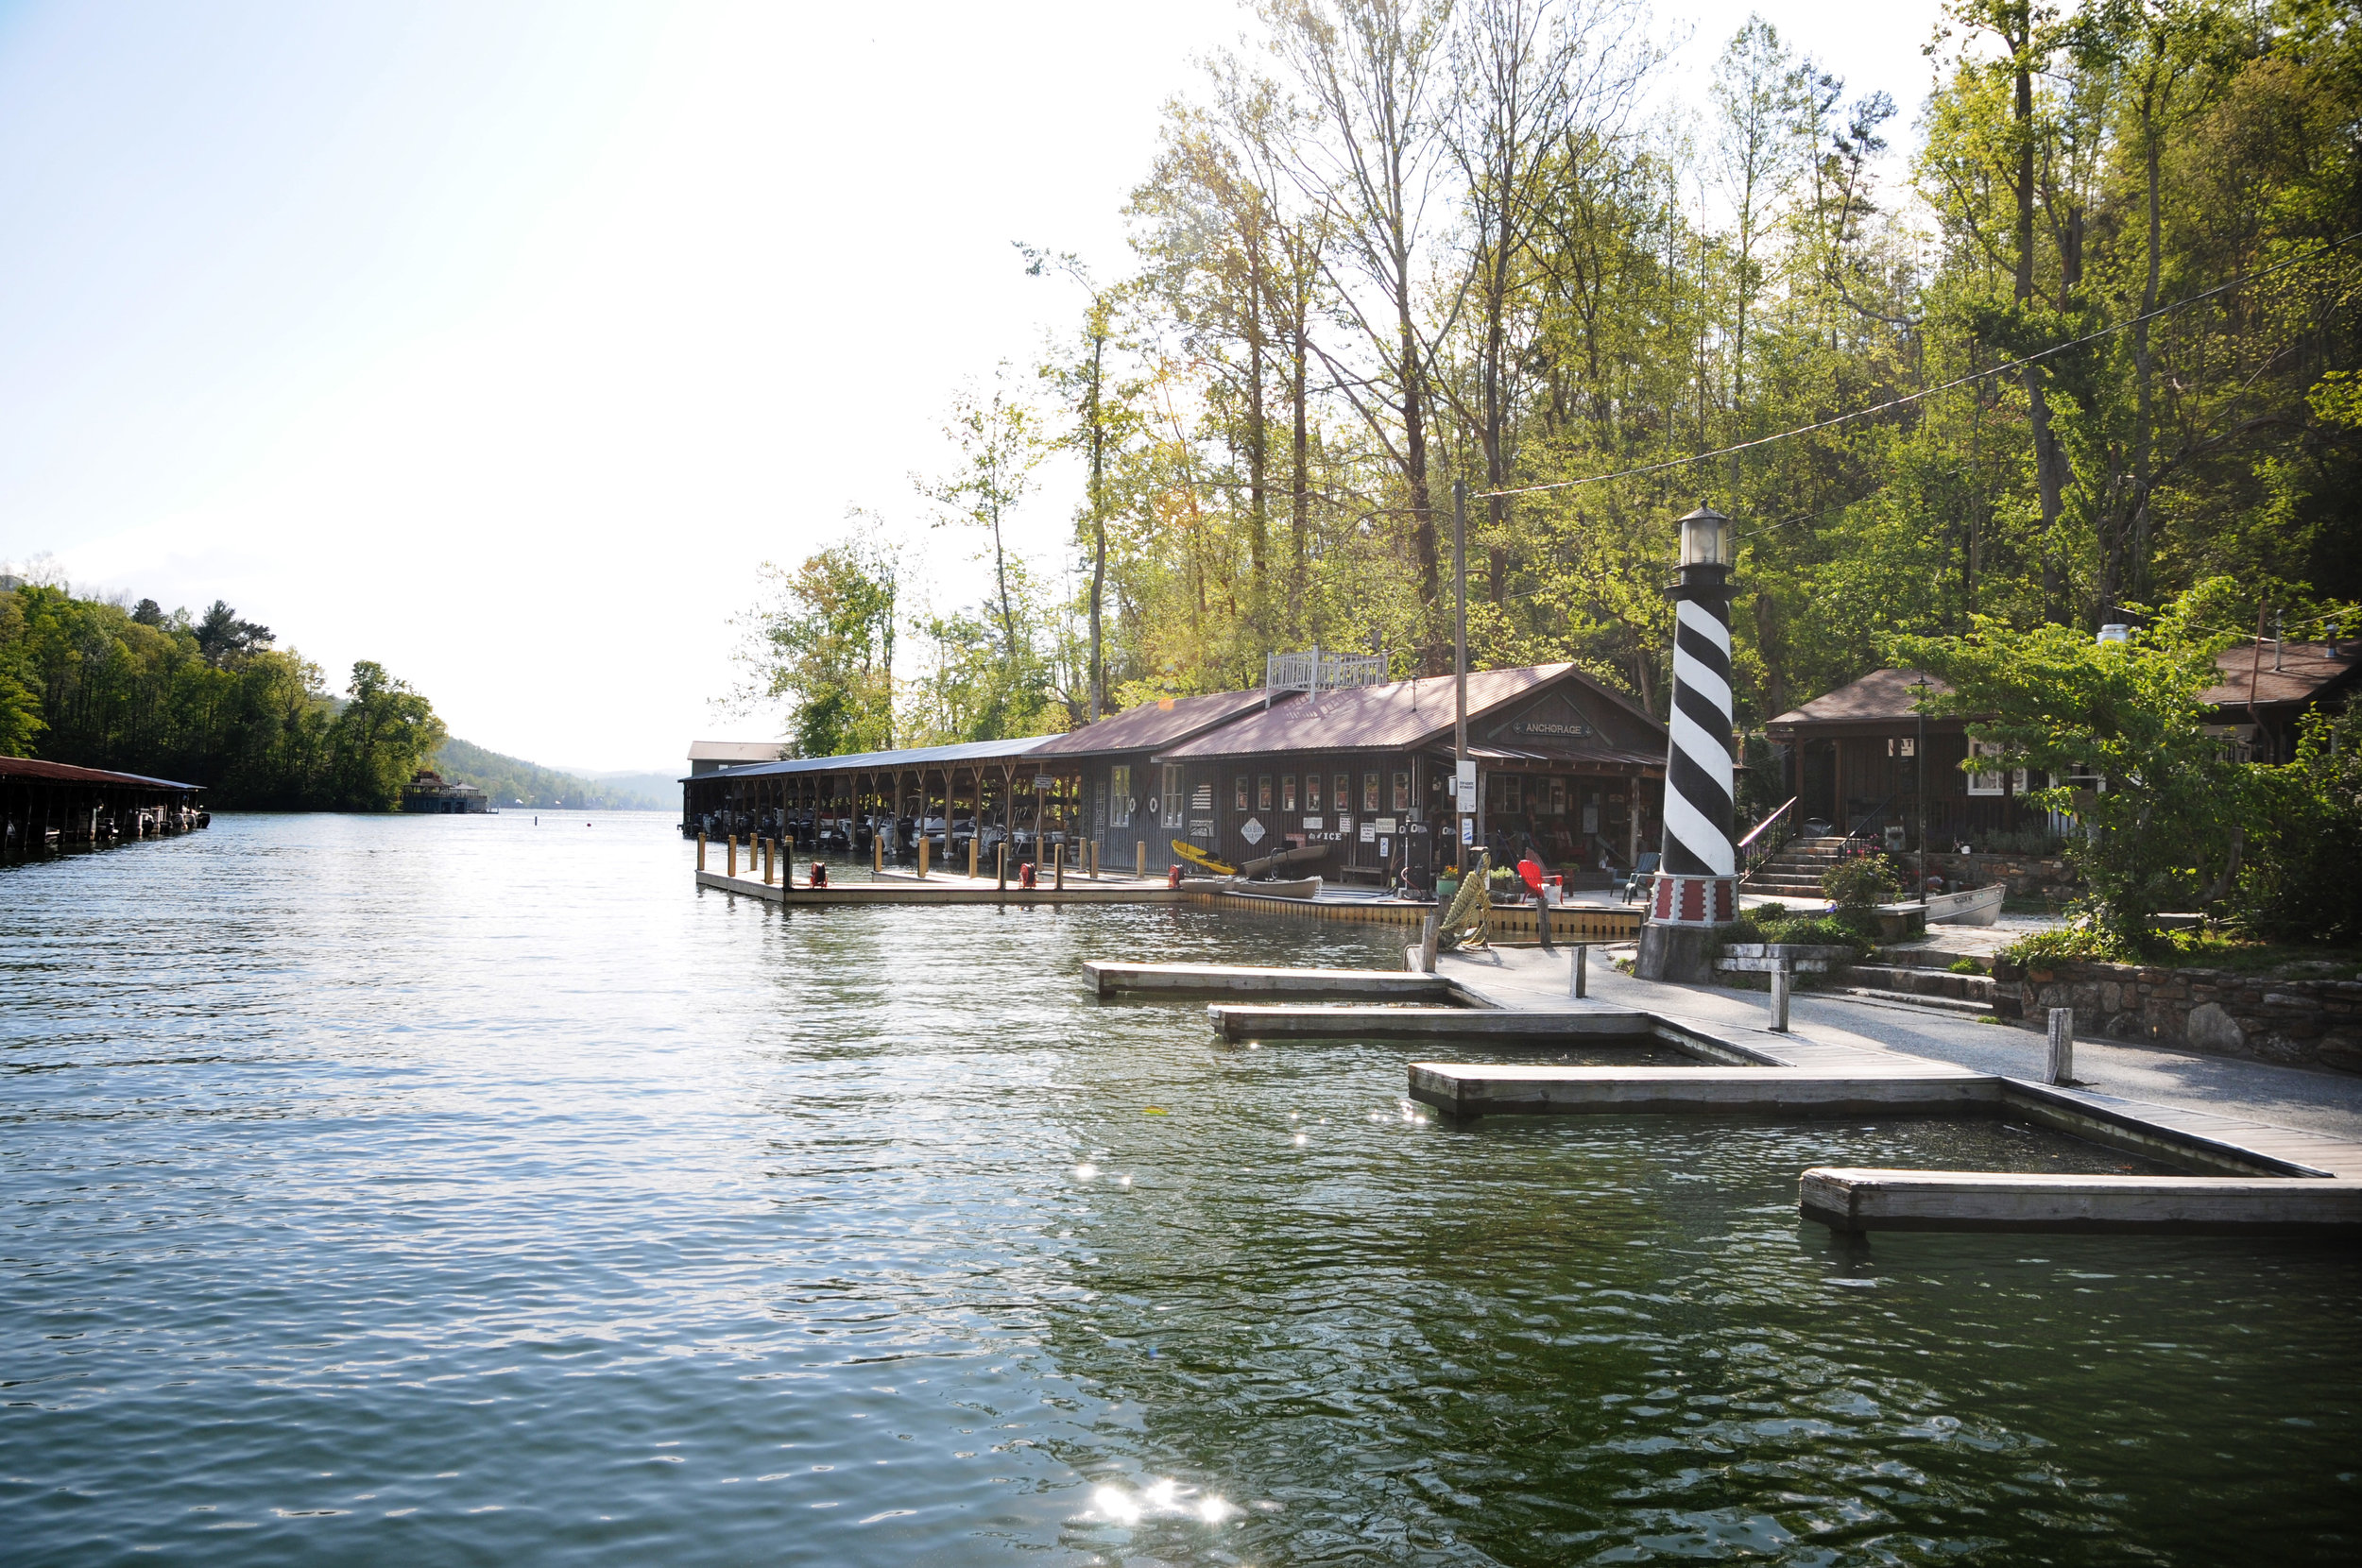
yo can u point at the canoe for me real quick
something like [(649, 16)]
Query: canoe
[(1302, 855), (1971, 907)]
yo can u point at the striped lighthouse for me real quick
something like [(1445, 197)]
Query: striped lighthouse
[(1697, 885)]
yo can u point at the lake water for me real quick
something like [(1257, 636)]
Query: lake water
[(460, 1190)]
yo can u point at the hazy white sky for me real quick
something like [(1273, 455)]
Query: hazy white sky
[(499, 342)]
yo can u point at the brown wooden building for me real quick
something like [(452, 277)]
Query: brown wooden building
[(1125, 799), (2267, 686), (1859, 758), (1565, 767)]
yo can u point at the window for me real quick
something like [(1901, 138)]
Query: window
[(1344, 797), (1558, 797), (1119, 792), (1240, 803), (1171, 798), (1262, 792), (1312, 791), (1369, 794), (1510, 793), (1402, 791), (1288, 792), (1984, 783)]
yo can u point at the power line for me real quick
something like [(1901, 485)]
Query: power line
[(1911, 397)]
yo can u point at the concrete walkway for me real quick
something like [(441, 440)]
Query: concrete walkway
[(2321, 1103)]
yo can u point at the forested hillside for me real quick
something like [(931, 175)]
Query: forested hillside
[(206, 700), (510, 782), (2099, 344)]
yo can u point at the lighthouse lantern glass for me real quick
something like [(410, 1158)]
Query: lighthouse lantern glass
[(1705, 538)]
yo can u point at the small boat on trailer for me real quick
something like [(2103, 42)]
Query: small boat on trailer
[(1969, 907)]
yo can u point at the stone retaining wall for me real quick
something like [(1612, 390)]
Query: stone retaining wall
[(2311, 1023), (2025, 876)]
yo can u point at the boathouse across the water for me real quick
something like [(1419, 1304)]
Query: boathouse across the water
[(54, 805)]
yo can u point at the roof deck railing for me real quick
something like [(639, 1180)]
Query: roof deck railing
[(1314, 671)]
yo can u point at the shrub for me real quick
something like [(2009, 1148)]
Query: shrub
[(1965, 966), (2058, 945), (1823, 930), (1857, 884), (2299, 882)]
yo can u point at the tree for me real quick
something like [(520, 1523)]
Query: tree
[(221, 636), (385, 734), (2161, 806), (1001, 445), (822, 643)]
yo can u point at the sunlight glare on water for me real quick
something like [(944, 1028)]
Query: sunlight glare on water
[(472, 1190)]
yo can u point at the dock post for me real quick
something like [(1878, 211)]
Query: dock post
[(733, 859), (1093, 853), (1141, 869), (766, 862), (2060, 1068), (1057, 866), (1781, 981), (972, 840), (1001, 859), (701, 852), (924, 842), (1579, 972)]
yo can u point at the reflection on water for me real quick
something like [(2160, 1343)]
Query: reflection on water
[(466, 1190)]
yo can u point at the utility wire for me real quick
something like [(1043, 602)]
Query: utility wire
[(1908, 399)]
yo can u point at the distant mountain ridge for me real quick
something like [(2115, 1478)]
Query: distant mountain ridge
[(511, 781)]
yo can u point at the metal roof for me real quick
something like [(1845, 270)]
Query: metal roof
[(879, 761), (66, 773), (1399, 714), (1163, 723)]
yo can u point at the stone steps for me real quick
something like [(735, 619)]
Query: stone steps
[(1913, 1002), (1919, 982)]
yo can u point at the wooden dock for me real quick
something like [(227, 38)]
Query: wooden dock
[(1852, 1199), (1465, 1090), (1247, 980), (942, 889)]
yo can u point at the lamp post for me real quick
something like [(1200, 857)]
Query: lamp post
[(1697, 885)]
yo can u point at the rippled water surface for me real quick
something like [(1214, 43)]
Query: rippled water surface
[(472, 1190)]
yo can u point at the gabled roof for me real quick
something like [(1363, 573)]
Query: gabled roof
[(883, 761), (1878, 696), (736, 751), (2307, 672), (1164, 723), (1393, 717)]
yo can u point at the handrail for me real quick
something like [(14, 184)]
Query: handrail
[(1870, 816), (1757, 830)]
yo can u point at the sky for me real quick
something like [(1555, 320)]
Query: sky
[(502, 342)]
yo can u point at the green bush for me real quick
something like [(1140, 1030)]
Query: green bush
[(2058, 945), (1822, 930), (1965, 966), (1860, 883), (2304, 840)]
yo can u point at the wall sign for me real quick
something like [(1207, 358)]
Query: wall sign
[(1369, 833), (1252, 831)]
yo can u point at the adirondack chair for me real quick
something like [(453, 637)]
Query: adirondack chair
[(1627, 886)]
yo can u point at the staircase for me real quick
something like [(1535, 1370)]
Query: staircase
[(1795, 871), (1920, 978)]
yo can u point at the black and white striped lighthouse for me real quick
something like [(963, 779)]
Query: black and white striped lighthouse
[(1697, 884)]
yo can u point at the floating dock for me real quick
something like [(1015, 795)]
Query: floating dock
[(1245, 979), (1847, 1199), (942, 889), (1486, 1090)]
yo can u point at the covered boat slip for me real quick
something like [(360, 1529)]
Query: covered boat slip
[(951, 793), (1567, 772), (56, 805)]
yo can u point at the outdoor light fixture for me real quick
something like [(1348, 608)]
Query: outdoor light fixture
[(1705, 538)]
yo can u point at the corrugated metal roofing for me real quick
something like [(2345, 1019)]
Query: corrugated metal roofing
[(66, 773), (1158, 723), (1369, 718), (869, 762)]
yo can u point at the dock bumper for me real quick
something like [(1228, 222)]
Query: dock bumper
[(1852, 1199)]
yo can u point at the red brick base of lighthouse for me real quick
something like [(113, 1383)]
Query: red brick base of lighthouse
[(1683, 900)]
